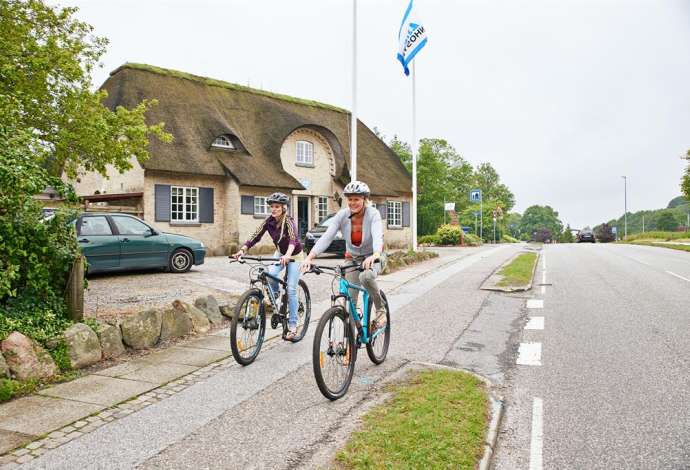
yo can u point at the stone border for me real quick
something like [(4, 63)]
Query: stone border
[(491, 283)]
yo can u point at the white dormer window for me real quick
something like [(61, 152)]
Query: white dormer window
[(223, 142), (305, 153)]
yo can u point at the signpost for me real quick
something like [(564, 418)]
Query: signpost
[(476, 196)]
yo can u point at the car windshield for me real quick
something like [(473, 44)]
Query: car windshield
[(327, 221)]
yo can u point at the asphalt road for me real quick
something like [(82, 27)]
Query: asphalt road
[(271, 414), (613, 387)]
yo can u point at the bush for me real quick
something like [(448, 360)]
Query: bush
[(448, 234), (508, 239), (604, 233), (429, 240), (472, 240)]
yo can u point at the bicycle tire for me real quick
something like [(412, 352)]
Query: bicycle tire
[(385, 336), (318, 358), (307, 313), (236, 348)]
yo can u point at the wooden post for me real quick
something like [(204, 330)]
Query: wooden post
[(74, 292)]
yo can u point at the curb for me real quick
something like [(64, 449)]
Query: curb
[(524, 288), (497, 409)]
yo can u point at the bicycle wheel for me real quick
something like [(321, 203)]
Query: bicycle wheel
[(303, 310), (334, 353), (248, 327), (377, 347)]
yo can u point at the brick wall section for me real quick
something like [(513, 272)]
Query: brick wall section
[(131, 181)]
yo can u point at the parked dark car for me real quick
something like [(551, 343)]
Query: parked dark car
[(337, 246), (120, 242), (585, 235)]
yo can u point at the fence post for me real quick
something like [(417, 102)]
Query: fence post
[(74, 293)]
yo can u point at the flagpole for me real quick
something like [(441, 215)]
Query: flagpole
[(353, 120), (415, 150)]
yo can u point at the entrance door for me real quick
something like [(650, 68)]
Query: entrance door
[(303, 216)]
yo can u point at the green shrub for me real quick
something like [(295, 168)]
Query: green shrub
[(668, 236), (448, 234), (472, 240), (429, 240), (508, 239)]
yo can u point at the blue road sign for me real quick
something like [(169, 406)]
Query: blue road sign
[(476, 195), (477, 214)]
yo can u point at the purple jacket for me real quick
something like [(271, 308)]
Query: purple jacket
[(273, 227)]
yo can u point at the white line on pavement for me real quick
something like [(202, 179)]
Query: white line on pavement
[(535, 303), (678, 276), (529, 354), (535, 323), (537, 441)]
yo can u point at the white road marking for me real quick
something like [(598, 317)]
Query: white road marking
[(678, 276), (535, 323), (529, 354), (535, 303), (537, 440)]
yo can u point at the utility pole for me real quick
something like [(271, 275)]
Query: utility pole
[(625, 217), (642, 223)]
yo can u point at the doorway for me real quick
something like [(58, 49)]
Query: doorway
[(303, 216)]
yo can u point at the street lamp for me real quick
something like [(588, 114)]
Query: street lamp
[(625, 216)]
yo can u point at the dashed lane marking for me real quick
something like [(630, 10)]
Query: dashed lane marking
[(535, 323), (529, 354), (537, 439), (678, 276), (535, 303)]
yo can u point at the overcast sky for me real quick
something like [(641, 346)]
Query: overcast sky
[(561, 97)]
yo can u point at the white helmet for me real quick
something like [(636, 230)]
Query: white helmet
[(356, 188)]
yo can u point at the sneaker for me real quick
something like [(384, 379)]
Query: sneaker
[(380, 320), (291, 333)]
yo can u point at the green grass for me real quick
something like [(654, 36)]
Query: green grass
[(436, 420), (663, 245), (667, 236), (519, 271)]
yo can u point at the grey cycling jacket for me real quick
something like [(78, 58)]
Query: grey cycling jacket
[(372, 233)]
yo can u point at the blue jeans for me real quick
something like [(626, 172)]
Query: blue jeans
[(292, 281)]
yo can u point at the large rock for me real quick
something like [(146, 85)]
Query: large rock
[(111, 340), (209, 305), (142, 329), (83, 346), (26, 359), (176, 323), (228, 309), (4, 369), (199, 319)]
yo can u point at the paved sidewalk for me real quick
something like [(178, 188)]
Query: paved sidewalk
[(56, 415)]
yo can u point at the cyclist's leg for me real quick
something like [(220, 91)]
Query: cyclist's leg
[(274, 270), (367, 279), (292, 281)]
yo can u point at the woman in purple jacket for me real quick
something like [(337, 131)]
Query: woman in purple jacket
[(282, 229)]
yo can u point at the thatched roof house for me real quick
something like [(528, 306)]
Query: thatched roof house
[(235, 144)]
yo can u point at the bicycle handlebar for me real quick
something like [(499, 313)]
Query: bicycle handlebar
[(260, 259)]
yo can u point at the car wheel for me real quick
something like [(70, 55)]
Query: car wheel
[(181, 261)]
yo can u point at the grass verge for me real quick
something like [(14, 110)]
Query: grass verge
[(438, 419), (519, 271), (667, 236), (663, 245)]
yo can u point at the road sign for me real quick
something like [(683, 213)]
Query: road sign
[(476, 195), (450, 206), (477, 213), (614, 230)]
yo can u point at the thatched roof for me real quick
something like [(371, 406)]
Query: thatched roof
[(197, 109)]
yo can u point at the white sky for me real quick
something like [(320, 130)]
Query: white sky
[(561, 97)]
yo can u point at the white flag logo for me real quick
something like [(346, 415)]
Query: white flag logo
[(411, 37)]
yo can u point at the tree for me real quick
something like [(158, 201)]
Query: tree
[(403, 150), (486, 178), (604, 233), (677, 202), (513, 223), (536, 218), (567, 236), (667, 221), (685, 181)]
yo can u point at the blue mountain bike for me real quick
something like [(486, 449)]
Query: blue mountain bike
[(342, 330)]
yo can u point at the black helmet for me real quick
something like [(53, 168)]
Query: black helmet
[(356, 188), (279, 198)]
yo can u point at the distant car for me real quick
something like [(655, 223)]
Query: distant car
[(585, 235), (121, 242), (337, 246)]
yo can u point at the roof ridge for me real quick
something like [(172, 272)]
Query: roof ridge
[(223, 84)]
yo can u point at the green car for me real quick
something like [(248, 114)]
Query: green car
[(120, 242)]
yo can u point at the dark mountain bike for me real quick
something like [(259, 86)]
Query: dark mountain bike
[(342, 330), (248, 327)]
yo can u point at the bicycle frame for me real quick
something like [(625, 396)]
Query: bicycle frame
[(363, 323)]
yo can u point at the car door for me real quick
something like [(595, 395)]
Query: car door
[(98, 242), (140, 245)]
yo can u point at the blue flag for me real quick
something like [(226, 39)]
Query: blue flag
[(411, 37)]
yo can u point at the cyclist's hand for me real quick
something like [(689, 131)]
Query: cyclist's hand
[(369, 262), (238, 256), (284, 260), (306, 266)]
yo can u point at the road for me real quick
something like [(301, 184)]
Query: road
[(271, 415), (613, 387)]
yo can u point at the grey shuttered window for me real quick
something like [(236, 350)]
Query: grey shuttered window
[(247, 205), (162, 202), (206, 205), (406, 214)]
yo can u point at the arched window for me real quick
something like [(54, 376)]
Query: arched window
[(305, 153), (223, 142)]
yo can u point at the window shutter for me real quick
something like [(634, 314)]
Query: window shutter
[(247, 205), (406, 214), (383, 210), (206, 205), (162, 202)]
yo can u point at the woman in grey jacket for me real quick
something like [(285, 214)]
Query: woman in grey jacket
[(363, 232)]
